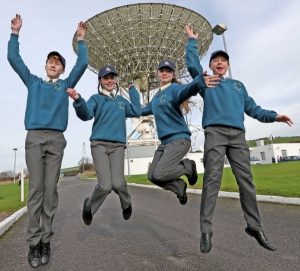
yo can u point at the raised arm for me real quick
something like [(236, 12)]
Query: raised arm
[(192, 59), (13, 52), (133, 108), (82, 58)]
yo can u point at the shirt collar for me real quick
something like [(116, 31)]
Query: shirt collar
[(106, 93), (165, 86), (53, 80)]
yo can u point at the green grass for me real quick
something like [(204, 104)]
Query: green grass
[(10, 197), (282, 179)]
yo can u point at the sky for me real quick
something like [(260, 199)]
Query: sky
[(262, 40)]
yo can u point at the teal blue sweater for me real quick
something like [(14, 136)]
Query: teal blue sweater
[(165, 107), (47, 103), (109, 114), (226, 103)]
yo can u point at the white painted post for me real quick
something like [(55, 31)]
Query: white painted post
[(22, 185)]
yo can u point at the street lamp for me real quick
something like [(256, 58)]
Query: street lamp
[(219, 29), (15, 150)]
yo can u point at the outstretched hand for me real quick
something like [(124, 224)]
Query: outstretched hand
[(189, 31), (73, 93), (284, 118), (16, 23), (211, 81), (81, 29)]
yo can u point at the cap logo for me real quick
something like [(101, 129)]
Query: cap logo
[(108, 69), (167, 63)]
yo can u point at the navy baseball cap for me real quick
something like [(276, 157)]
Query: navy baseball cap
[(61, 58), (107, 70), (167, 64), (219, 53)]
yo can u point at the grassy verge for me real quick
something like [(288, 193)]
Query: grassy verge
[(10, 197), (281, 179)]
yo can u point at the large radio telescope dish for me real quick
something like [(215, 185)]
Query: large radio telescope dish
[(135, 38)]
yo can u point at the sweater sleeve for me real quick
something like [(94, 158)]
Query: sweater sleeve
[(147, 109), (84, 110), (255, 111), (192, 58), (80, 66), (15, 60), (133, 108)]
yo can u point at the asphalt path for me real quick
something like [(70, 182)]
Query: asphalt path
[(161, 235)]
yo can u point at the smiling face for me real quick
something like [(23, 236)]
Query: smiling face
[(54, 68), (219, 65), (108, 82), (165, 76)]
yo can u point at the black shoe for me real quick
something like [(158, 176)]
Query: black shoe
[(45, 251), (260, 238), (34, 256), (127, 212), (86, 213), (205, 242), (194, 176), (183, 197)]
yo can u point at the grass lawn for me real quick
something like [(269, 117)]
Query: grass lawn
[(281, 179), (10, 197)]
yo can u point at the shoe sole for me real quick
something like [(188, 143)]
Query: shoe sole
[(87, 220), (194, 180), (258, 241)]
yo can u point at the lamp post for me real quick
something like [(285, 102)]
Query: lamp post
[(15, 150), (219, 29)]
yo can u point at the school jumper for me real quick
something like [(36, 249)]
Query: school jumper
[(46, 119), (223, 123)]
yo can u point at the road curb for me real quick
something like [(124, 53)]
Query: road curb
[(235, 195), (9, 221)]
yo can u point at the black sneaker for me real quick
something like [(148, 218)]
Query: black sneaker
[(45, 251), (34, 256), (183, 197), (86, 213), (127, 212), (194, 176)]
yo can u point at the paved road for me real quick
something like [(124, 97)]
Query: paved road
[(161, 235)]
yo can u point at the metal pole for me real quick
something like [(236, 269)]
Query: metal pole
[(225, 47), (22, 185), (15, 150)]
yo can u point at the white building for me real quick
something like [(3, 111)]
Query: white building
[(138, 157), (276, 151)]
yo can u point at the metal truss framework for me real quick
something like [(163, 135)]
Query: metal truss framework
[(135, 38)]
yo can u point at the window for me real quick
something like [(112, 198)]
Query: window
[(263, 156), (284, 153)]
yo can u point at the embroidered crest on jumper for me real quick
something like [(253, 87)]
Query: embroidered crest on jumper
[(237, 85), (121, 105), (162, 98)]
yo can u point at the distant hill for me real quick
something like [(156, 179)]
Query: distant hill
[(267, 140)]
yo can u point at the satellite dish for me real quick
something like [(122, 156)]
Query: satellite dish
[(135, 38)]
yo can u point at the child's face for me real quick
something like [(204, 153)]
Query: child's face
[(219, 65), (165, 76), (54, 67), (108, 82)]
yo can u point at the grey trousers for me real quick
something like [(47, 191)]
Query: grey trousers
[(108, 158), (221, 140), (167, 166), (44, 154)]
